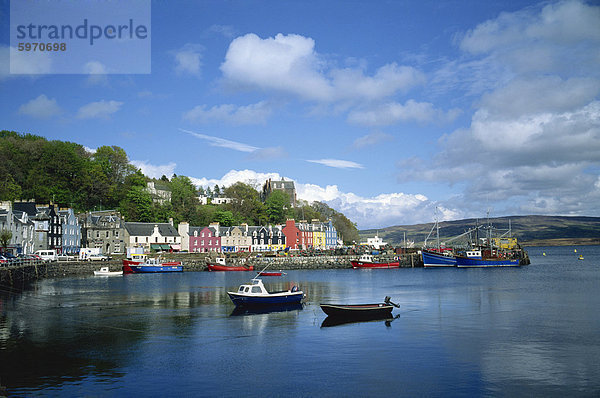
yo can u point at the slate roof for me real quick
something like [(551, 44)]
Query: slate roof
[(146, 229)]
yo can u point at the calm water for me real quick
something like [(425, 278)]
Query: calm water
[(529, 331)]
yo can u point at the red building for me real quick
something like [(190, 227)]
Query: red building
[(292, 235), (204, 240)]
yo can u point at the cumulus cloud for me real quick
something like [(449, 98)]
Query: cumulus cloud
[(41, 107), (238, 115), (533, 142), (337, 163), (290, 64), (155, 171), (188, 59), (97, 72), (100, 109)]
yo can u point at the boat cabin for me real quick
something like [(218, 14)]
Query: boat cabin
[(256, 287), (474, 254), (366, 258), (220, 261)]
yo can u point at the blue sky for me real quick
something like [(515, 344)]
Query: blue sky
[(385, 110)]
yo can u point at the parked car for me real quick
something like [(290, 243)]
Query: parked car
[(47, 255), (98, 257)]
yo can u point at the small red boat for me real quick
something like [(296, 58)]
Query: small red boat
[(366, 261), (270, 273), (219, 265)]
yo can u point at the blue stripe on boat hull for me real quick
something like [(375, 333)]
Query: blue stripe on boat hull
[(292, 298), (463, 262)]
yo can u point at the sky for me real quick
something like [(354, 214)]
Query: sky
[(384, 110)]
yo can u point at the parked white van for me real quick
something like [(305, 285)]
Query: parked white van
[(47, 255)]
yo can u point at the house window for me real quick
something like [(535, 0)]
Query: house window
[(195, 233), (136, 239), (156, 239)]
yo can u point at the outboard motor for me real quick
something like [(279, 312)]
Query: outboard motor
[(388, 299)]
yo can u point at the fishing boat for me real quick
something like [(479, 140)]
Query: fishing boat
[(360, 311), (367, 261), (474, 258), (255, 294), (432, 258), (151, 265), (104, 271), (220, 265)]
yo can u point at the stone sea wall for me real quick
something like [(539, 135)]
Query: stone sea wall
[(19, 276)]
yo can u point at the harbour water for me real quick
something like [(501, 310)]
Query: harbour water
[(526, 331)]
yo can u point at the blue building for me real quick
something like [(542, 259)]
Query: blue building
[(331, 238), (71, 232)]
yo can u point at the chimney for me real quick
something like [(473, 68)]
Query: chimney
[(171, 221)]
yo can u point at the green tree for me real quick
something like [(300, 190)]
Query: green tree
[(224, 217), (183, 199), (5, 237), (277, 207), (137, 205), (246, 205)]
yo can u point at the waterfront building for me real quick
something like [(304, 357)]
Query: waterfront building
[(292, 235), (319, 236), (152, 236), (331, 238), (206, 239), (276, 238), (260, 239), (71, 232), (103, 230), (21, 228)]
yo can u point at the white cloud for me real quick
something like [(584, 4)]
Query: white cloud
[(97, 72), (290, 64), (534, 138), (337, 163), (41, 107), (268, 153), (29, 62), (227, 31), (393, 112), (372, 139), (238, 115), (222, 142), (187, 59), (100, 109), (155, 171)]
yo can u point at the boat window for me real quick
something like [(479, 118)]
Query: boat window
[(256, 289), (241, 288), (246, 289)]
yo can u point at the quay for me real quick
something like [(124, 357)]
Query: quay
[(18, 276)]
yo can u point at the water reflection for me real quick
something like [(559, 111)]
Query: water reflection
[(337, 321), (266, 309)]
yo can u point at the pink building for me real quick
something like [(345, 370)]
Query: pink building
[(204, 240)]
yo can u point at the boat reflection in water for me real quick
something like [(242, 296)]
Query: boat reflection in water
[(337, 321), (266, 309)]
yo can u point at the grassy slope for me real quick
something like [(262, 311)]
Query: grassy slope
[(530, 230)]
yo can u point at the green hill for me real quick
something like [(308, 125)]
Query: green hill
[(530, 230)]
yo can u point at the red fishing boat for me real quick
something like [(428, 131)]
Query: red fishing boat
[(367, 261), (220, 265)]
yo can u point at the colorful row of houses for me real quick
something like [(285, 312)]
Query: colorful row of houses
[(244, 238), (34, 227)]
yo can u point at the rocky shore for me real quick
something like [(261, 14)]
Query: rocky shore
[(20, 275)]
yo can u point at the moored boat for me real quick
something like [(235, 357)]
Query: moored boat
[(220, 265), (104, 271), (255, 294), (150, 266), (360, 311), (474, 258), (433, 258), (367, 261)]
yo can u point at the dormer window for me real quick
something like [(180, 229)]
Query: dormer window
[(196, 233)]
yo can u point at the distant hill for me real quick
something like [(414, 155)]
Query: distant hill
[(530, 230)]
